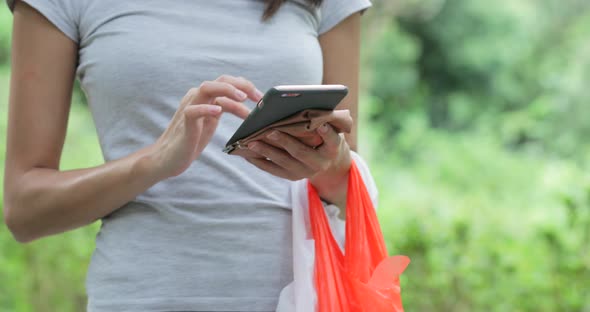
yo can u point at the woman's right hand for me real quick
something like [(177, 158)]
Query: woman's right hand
[(196, 119)]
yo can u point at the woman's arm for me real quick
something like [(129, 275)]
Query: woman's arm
[(341, 50), (41, 200)]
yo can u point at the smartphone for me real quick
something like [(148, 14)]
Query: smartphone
[(281, 102)]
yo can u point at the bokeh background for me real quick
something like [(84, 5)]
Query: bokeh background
[(476, 123)]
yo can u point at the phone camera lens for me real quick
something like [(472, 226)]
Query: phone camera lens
[(290, 95)]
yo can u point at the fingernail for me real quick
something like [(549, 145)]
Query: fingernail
[(259, 93), (215, 109), (323, 128), (253, 146), (273, 136), (241, 95)]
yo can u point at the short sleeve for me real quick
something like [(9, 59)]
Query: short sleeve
[(61, 13), (332, 12)]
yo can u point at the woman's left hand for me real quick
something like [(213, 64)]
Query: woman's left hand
[(325, 166)]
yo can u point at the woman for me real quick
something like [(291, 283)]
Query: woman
[(184, 226)]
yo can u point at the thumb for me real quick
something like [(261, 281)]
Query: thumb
[(330, 137)]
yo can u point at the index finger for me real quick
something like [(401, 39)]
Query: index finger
[(211, 91), (243, 84), (231, 106)]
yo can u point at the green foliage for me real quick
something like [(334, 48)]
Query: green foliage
[(487, 229), (476, 119), (515, 68), (5, 34), (475, 122)]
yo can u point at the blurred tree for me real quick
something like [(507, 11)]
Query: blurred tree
[(516, 68)]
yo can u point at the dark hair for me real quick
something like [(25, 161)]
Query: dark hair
[(272, 6)]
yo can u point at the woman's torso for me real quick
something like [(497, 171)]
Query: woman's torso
[(219, 235)]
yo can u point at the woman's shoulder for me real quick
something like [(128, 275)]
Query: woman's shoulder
[(332, 12), (64, 14)]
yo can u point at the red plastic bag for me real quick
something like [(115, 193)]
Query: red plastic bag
[(364, 278)]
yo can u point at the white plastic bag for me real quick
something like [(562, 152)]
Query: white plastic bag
[(299, 295)]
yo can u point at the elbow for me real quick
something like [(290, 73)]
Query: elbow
[(20, 230)]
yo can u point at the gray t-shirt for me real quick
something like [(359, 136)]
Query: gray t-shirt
[(217, 237)]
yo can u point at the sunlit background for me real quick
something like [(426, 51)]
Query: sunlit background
[(476, 123)]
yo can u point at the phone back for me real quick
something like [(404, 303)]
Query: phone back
[(283, 101)]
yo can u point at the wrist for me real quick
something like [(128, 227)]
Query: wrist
[(147, 165), (332, 184)]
